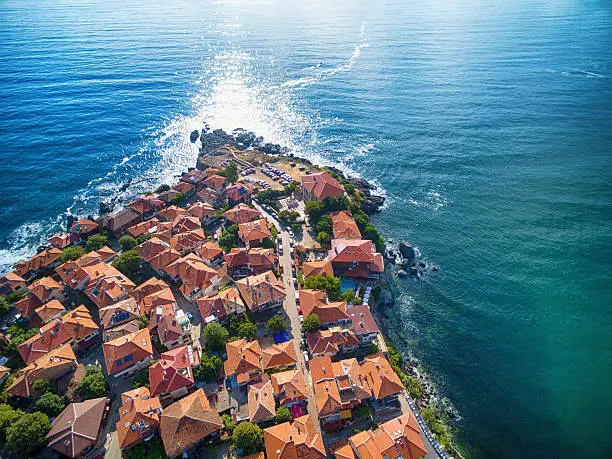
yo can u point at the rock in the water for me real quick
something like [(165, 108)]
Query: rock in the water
[(105, 208), (422, 264), (194, 136), (407, 251), (435, 268), (413, 270), (402, 273), (372, 204)]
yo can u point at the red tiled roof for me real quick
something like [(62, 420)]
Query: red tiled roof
[(148, 226), (322, 185), (200, 210), (243, 357), (238, 192), (261, 401), (356, 250), (172, 371), (279, 355), (254, 231), (38, 261), (261, 289), (135, 347), (242, 214), (344, 227), (316, 302), (298, 439), (317, 268), (137, 409)]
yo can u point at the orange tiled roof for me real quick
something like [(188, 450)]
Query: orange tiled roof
[(188, 421), (330, 341), (322, 185), (171, 212), (183, 187), (279, 355), (49, 310), (343, 225), (243, 357), (28, 304), (11, 280), (254, 231), (261, 289), (193, 272), (317, 268), (237, 192), (45, 288), (211, 305), (200, 210), (356, 250), (363, 320), (119, 313), (106, 284), (209, 251), (62, 240), (215, 181), (84, 226), (289, 386), (187, 240), (257, 257), (137, 405), (242, 214), (381, 378), (38, 261), (185, 223), (173, 371), (261, 401), (316, 302), (298, 439), (135, 347), (153, 293), (148, 226)]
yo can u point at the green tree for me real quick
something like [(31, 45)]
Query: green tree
[(227, 241), (143, 321), (96, 242), (323, 238), (127, 243), (268, 243), (93, 384), (330, 284), (233, 229), (143, 237), (162, 188), (247, 330), (141, 379), (228, 423), (372, 349), (324, 225), (282, 414), (349, 188), (8, 416), (129, 264), (74, 252), (42, 386), (153, 449), (5, 307), (248, 438), (210, 368), (288, 216), (311, 323), (14, 297), (371, 232), (215, 336), (178, 199), (348, 296), (314, 210), (50, 404), (27, 435), (276, 324), (230, 172)]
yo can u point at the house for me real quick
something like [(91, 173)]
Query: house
[(173, 327), (344, 226), (280, 355), (5, 372), (298, 439), (63, 240), (212, 308), (210, 253), (49, 311), (317, 302), (146, 227), (215, 182), (152, 294), (187, 241), (195, 276), (356, 258), (46, 289), (185, 223), (232, 301), (74, 432), (243, 363), (53, 366), (212, 197), (364, 324), (117, 221), (194, 177), (28, 305), (398, 438), (119, 331), (289, 387), (168, 196), (253, 233), (338, 387), (146, 204), (47, 259), (242, 214), (106, 284), (120, 313), (157, 253), (138, 417), (12, 282), (317, 268), (205, 212), (262, 291), (238, 193), (84, 228), (76, 327), (170, 213), (262, 407), (187, 422), (172, 374), (331, 341), (384, 383), (243, 261), (128, 354), (320, 185), (186, 189)]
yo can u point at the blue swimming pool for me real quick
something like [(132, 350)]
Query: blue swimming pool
[(347, 284)]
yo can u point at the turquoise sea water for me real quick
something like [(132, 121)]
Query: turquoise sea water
[(488, 125)]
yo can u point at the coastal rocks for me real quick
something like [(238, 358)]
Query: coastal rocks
[(401, 273), (246, 138), (407, 251), (194, 136), (105, 208)]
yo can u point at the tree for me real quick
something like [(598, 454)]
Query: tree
[(248, 438), (143, 320), (93, 384), (228, 423), (268, 243), (283, 414), (96, 242), (153, 449), (348, 296), (370, 232), (325, 225), (311, 323), (210, 368), (372, 349), (314, 210), (276, 324), (162, 188), (215, 336), (8, 416), (127, 243), (178, 199), (288, 216), (141, 379), (330, 284), (227, 241), (50, 404), (230, 172), (129, 264), (323, 238), (143, 237), (247, 330), (42, 386), (27, 435), (5, 307), (74, 252), (349, 188), (14, 297)]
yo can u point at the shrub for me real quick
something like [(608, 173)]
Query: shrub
[(248, 438), (143, 237), (74, 252), (276, 324), (5, 307), (27, 435), (14, 297), (323, 238), (50, 404), (228, 423), (230, 172), (227, 241), (143, 321), (350, 188), (93, 384), (178, 199), (127, 243), (348, 296), (247, 330), (282, 414), (42, 386), (311, 323), (162, 188), (96, 242), (372, 349), (141, 379)]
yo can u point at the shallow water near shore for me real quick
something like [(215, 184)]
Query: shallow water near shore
[(487, 124)]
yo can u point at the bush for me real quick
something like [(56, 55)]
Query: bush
[(210, 368), (143, 321), (14, 297), (288, 216), (50, 404), (141, 379), (178, 199), (248, 438), (96, 242), (330, 284), (227, 241), (276, 324), (153, 449), (323, 238), (93, 384), (215, 336), (230, 172), (127, 243), (311, 323), (143, 238), (162, 188), (349, 188), (228, 423), (413, 385), (128, 263), (282, 414), (8, 416), (348, 296), (372, 349), (27, 435), (5, 307), (74, 252)]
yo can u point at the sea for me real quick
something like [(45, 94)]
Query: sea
[(487, 124)]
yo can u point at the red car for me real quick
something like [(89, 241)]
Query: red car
[(300, 312)]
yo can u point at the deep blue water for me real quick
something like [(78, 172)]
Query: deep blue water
[(488, 124)]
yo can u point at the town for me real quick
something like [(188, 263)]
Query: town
[(228, 315)]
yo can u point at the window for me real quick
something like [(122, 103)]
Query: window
[(128, 358), (119, 362)]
